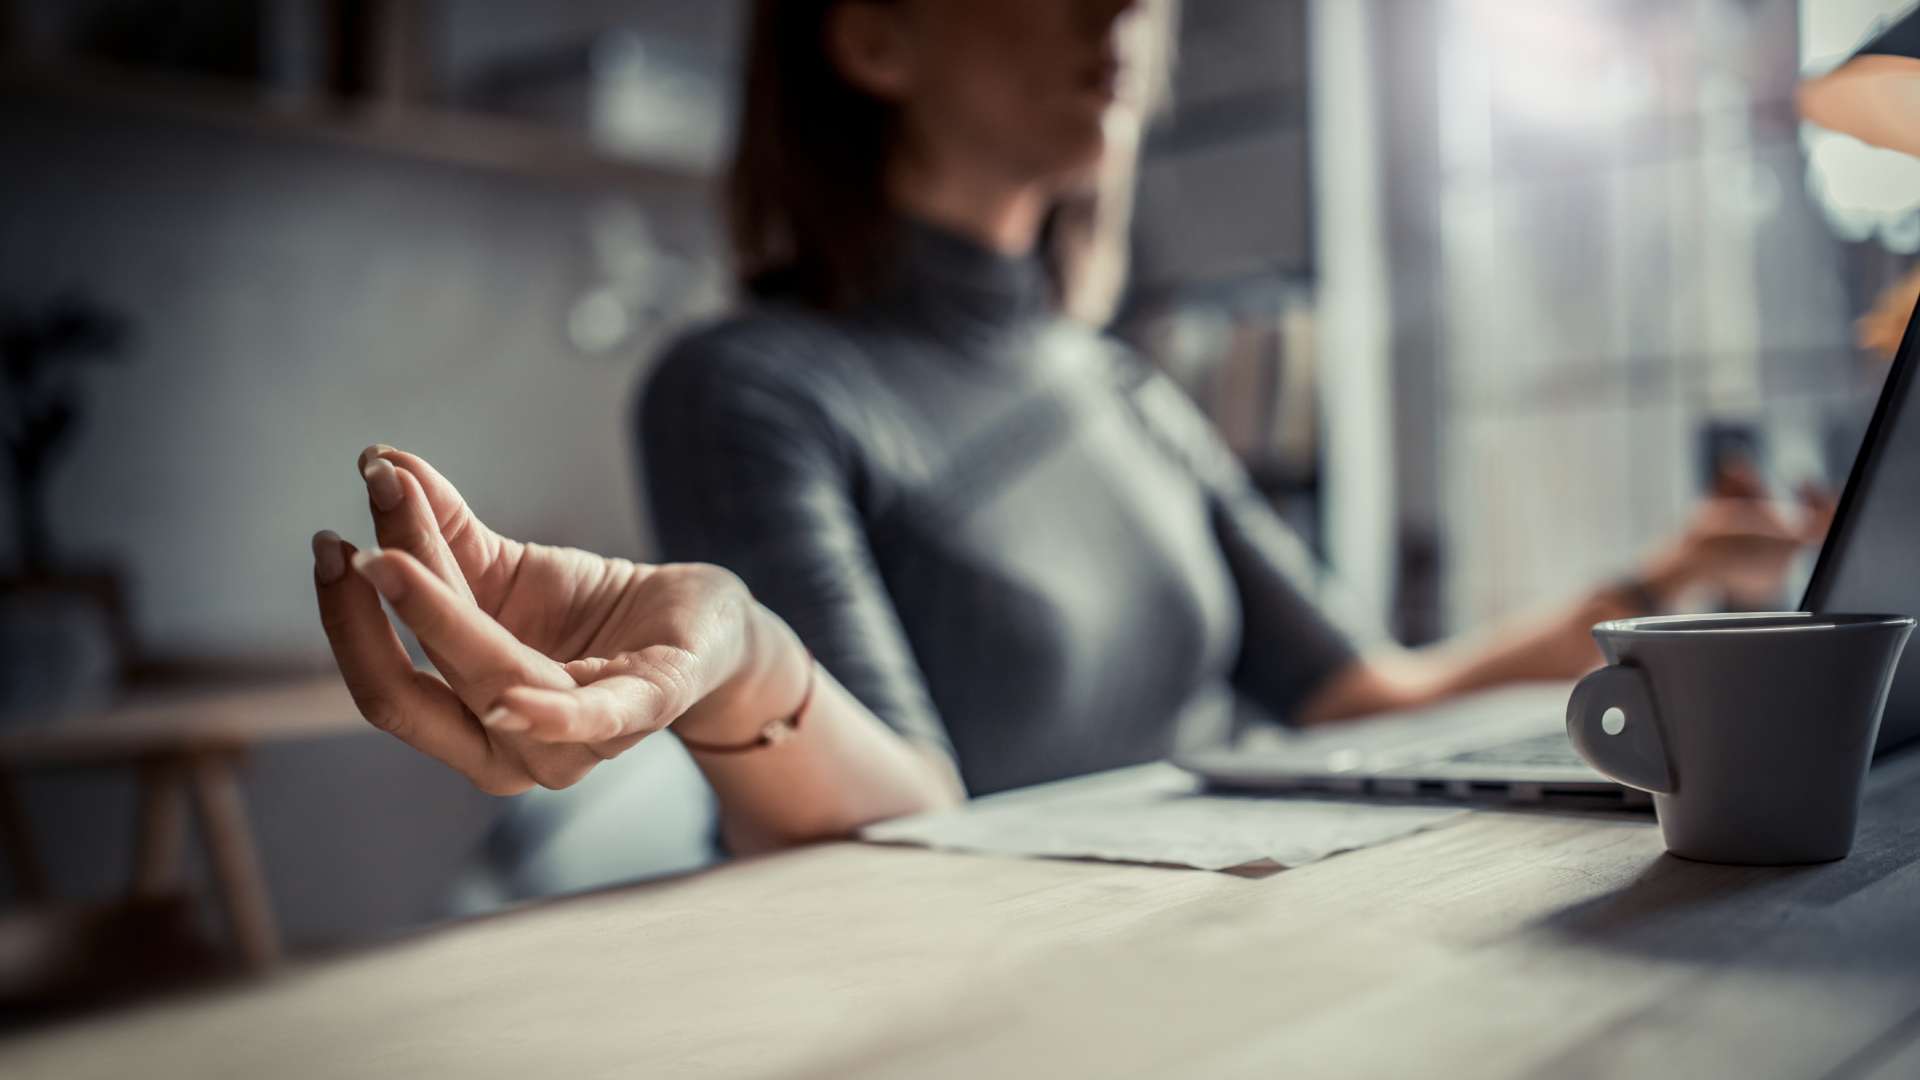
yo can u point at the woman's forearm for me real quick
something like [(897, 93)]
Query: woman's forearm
[(842, 768), (1557, 644), (1873, 98)]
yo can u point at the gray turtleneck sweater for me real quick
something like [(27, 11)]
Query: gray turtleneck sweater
[(1001, 532)]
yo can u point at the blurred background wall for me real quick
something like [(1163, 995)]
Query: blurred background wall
[(293, 303), (1478, 289), (1629, 266)]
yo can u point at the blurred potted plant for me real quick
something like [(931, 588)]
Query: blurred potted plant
[(63, 630)]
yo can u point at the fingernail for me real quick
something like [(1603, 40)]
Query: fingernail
[(329, 561), (501, 718), (383, 483), (384, 575), (377, 450)]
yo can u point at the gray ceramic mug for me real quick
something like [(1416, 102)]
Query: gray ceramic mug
[(1752, 731)]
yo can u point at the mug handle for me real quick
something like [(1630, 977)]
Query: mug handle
[(1635, 755)]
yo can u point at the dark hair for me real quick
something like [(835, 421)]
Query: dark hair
[(806, 198), (807, 207)]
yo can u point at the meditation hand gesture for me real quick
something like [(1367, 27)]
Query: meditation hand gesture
[(550, 660)]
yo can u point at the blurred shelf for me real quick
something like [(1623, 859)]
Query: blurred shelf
[(1682, 377), (439, 136), (1280, 479)]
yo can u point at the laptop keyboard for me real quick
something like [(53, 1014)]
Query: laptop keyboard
[(1550, 749)]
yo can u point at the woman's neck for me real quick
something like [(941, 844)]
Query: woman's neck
[(1001, 214)]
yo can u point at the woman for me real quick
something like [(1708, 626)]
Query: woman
[(973, 540)]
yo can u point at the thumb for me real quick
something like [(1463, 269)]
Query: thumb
[(627, 696)]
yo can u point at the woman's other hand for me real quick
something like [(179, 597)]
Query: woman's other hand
[(1740, 542), (550, 660)]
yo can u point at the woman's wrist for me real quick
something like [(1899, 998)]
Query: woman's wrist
[(768, 685)]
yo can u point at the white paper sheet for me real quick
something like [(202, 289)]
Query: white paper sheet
[(1152, 814)]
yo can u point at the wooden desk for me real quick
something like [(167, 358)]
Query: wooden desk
[(1510, 944), (188, 741)]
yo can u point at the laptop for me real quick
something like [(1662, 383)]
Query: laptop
[(1511, 745)]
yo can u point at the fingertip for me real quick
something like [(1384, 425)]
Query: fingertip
[(408, 481), (329, 557), (383, 484), (586, 669), (556, 734), (551, 715), (536, 703), (502, 718), (367, 456), (384, 573)]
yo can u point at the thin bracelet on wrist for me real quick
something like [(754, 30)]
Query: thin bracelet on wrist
[(772, 734)]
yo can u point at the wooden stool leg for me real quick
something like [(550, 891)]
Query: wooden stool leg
[(223, 821), (29, 874), (162, 828)]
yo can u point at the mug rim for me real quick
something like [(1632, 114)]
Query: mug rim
[(1673, 625)]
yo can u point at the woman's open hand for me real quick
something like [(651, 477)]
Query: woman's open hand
[(550, 660), (1740, 541)]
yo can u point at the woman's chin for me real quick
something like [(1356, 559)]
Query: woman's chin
[(1079, 153)]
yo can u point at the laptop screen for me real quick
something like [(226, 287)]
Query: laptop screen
[(1871, 560)]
